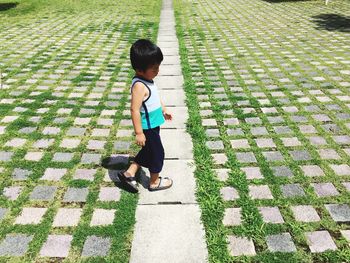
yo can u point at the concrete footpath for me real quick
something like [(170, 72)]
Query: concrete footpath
[(168, 226)]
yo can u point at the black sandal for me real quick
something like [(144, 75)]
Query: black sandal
[(129, 182), (160, 186)]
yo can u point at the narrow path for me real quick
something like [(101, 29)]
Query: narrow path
[(168, 226)]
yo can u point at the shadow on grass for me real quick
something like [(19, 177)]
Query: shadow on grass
[(7, 6), (118, 163), (332, 22)]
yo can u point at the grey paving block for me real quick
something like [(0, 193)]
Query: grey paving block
[(109, 194), (301, 155), (259, 131), (320, 241), (260, 192), (43, 143), (229, 193), (292, 190), (62, 157), (12, 192), (15, 244), (96, 145), (90, 158), (34, 156), (312, 170), (240, 144), (246, 157), (53, 174), (273, 156), (282, 171), (280, 243), (271, 215), (20, 174), (102, 217), (5, 156), (183, 219), (31, 215), (232, 217), (339, 212), (342, 139), (239, 246), (215, 145), (340, 169), (96, 246), (75, 131), (328, 154), (67, 217), (57, 246), (43, 193), (325, 189), (76, 194), (252, 173), (85, 174), (305, 213), (122, 145)]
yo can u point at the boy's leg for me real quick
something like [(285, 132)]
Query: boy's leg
[(156, 183), (132, 170)]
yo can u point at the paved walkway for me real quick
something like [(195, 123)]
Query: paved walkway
[(168, 227)]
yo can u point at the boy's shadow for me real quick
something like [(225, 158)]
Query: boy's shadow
[(118, 163)]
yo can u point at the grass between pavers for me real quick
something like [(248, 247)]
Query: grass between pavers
[(129, 21), (208, 186)]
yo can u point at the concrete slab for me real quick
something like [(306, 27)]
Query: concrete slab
[(171, 60), (180, 116), (160, 227), (166, 82), (181, 172), (170, 70), (173, 97), (182, 149)]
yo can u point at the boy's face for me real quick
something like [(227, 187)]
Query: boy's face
[(150, 73)]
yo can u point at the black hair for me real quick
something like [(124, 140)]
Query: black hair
[(144, 54)]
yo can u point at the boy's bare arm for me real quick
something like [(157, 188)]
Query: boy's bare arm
[(166, 114), (137, 95)]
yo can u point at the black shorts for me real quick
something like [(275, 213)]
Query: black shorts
[(151, 155)]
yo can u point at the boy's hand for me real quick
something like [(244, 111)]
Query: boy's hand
[(140, 139), (167, 116)]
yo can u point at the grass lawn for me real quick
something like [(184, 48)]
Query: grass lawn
[(64, 107), (267, 86)]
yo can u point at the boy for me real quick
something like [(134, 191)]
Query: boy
[(147, 113)]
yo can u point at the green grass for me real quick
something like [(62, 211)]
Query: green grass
[(86, 44), (221, 45)]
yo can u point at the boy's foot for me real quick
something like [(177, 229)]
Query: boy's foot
[(129, 181), (161, 184)]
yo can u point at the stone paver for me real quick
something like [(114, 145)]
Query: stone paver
[(280, 243), (76, 194), (31, 215), (96, 246), (271, 215), (57, 246), (320, 241), (15, 244), (239, 246), (339, 213), (232, 217), (109, 194), (43, 193), (101, 217), (305, 213), (67, 217)]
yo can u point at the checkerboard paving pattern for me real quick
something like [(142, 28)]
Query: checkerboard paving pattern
[(65, 77), (269, 82)]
